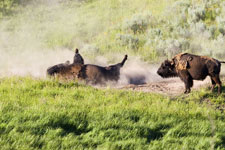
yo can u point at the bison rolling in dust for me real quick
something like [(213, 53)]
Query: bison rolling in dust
[(99, 75), (90, 73), (67, 70), (191, 67)]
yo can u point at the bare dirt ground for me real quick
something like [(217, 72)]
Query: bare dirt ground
[(171, 87)]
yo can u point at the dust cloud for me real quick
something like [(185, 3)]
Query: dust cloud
[(138, 72), (32, 63), (35, 62)]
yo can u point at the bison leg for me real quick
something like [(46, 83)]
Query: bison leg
[(213, 84), (216, 79), (188, 84), (187, 79)]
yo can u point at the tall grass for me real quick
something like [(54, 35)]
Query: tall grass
[(45, 114)]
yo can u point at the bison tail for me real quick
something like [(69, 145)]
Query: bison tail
[(222, 61), (124, 60)]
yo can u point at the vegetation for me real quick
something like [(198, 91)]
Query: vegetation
[(148, 29), (46, 114), (49, 114)]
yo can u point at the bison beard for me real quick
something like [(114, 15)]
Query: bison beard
[(189, 67), (99, 75)]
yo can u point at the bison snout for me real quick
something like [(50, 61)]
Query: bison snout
[(159, 73)]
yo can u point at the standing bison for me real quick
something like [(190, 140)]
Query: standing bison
[(99, 75), (191, 67)]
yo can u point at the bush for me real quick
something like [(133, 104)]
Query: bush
[(6, 7), (128, 41), (196, 13), (138, 23)]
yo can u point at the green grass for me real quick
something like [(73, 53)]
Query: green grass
[(47, 114)]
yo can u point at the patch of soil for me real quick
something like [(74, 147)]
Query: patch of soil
[(171, 87)]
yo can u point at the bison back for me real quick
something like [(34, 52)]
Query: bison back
[(201, 66), (93, 73)]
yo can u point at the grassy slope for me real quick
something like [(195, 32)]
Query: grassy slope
[(103, 27), (51, 115), (73, 24), (45, 114)]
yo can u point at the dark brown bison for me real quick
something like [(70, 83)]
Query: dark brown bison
[(67, 70), (99, 75), (57, 68), (191, 67), (78, 59)]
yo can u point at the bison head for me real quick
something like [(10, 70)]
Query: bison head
[(167, 69)]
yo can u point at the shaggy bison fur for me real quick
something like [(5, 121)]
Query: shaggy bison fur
[(189, 67), (98, 74), (67, 70), (57, 68)]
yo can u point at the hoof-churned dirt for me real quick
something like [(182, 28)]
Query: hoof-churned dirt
[(173, 86)]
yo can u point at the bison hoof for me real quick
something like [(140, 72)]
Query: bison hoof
[(186, 91)]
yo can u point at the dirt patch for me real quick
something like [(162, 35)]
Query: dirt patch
[(171, 87)]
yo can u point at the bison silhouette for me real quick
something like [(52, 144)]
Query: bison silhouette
[(99, 75), (189, 67), (67, 70)]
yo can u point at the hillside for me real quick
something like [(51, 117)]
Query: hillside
[(41, 113)]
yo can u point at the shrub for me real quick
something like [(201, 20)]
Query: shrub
[(196, 13), (128, 41), (219, 50), (138, 22), (6, 7)]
